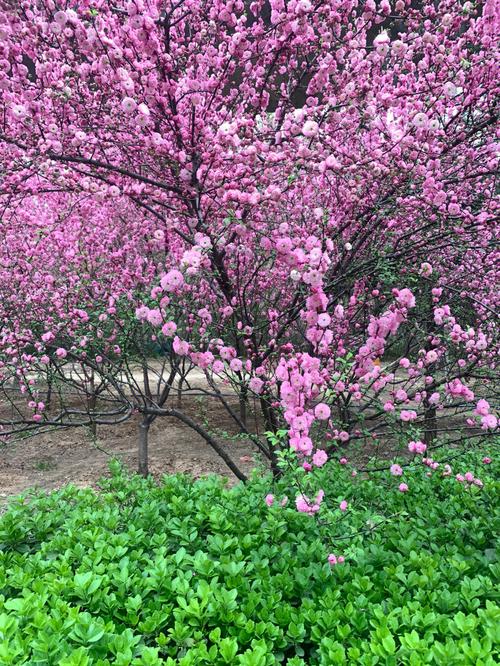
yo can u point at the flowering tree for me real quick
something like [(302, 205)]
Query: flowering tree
[(81, 356), (65, 274), (320, 177)]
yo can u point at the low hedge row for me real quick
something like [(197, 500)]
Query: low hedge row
[(186, 573)]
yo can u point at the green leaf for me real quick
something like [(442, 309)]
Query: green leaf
[(76, 658), (228, 648), (389, 644)]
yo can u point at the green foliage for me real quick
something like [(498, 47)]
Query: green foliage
[(189, 573)]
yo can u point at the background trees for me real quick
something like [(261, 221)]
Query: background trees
[(281, 198)]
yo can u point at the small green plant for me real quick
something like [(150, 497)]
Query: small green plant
[(45, 465)]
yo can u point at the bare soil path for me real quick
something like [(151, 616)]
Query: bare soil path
[(51, 460)]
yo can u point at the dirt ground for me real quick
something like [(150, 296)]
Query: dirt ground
[(51, 460)]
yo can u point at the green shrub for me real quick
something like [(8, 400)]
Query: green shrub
[(196, 573)]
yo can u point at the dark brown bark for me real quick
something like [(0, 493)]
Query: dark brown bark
[(143, 459)]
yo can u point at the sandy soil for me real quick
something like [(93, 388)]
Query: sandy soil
[(51, 460)]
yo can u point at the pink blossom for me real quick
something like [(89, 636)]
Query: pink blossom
[(142, 313), (450, 89), (180, 347), (339, 312), (322, 411), (486, 460), (408, 415), (305, 505), (334, 559), (284, 245), (343, 505), (169, 328), (489, 422), (403, 488), (482, 407), (154, 317), (305, 445), (417, 447), (406, 298), (431, 356), (172, 281), (310, 128), (227, 353), (256, 384), (320, 458), (269, 500), (236, 365), (434, 398), (396, 470), (128, 105), (61, 352), (324, 320), (218, 367), (420, 120), (18, 111)]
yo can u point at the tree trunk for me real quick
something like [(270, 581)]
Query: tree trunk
[(243, 399), (272, 426), (92, 404), (179, 392), (48, 397), (143, 469), (430, 423)]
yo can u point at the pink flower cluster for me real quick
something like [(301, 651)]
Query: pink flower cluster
[(333, 560), (488, 421), (417, 447), (469, 478), (305, 505)]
